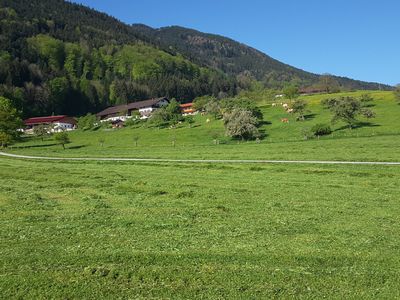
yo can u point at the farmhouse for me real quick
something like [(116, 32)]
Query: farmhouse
[(125, 111), (58, 123), (187, 109)]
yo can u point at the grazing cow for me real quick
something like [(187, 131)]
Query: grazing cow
[(285, 120)]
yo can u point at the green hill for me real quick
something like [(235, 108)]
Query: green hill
[(236, 58), (373, 139)]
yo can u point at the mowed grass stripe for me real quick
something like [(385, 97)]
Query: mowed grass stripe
[(226, 161)]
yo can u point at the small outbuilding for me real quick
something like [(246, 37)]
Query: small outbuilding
[(187, 109)]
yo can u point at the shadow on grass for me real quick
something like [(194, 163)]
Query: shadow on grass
[(369, 105), (77, 147), (35, 146), (264, 122), (309, 117), (263, 134), (358, 125)]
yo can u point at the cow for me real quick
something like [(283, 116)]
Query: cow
[(285, 120), (285, 105)]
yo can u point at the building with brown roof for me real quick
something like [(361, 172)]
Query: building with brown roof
[(124, 111)]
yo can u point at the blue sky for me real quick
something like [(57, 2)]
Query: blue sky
[(354, 38)]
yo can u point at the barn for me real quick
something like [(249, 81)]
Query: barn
[(56, 123)]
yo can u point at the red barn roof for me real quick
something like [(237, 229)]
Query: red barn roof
[(47, 120), (186, 105)]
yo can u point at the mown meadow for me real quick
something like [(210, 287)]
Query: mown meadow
[(77, 230)]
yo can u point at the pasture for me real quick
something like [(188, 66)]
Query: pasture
[(373, 139)]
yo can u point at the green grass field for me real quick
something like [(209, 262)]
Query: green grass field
[(107, 230), (95, 230), (376, 139)]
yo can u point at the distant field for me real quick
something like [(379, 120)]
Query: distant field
[(79, 230), (123, 230), (376, 139)]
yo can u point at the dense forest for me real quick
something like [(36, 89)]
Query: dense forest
[(59, 57), (240, 60)]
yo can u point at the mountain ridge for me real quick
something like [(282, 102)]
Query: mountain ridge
[(163, 36)]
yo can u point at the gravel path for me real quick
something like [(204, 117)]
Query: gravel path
[(228, 161)]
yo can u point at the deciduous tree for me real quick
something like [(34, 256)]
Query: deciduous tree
[(347, 109), (87, 122), (291, 92), (41, 131), (62, 139), (329, 84), (10, 122), (299, 108), (241, 124), (213, 108)]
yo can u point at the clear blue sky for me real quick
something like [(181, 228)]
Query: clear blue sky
[(355, 38)]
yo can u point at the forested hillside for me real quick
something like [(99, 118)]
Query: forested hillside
[(238, 59), (58, 57)]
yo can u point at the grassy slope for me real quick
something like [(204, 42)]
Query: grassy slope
[(106, 230), (283, 141)]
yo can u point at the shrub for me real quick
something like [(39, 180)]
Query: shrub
[(365, 98), (132, 122), (321, 129), (189, 120)]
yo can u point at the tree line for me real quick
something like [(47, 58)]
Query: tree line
[(69, 78)]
